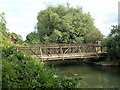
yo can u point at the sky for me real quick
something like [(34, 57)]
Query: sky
[(21, 15)]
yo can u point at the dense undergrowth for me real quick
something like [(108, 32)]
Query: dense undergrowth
[(112, 44), (20, 71)]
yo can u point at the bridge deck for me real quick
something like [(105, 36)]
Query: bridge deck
[(68, 56)]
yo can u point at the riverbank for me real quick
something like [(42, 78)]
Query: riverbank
[(102, 63)]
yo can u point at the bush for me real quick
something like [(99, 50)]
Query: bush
[(113, 49), (20, 71), (112, 43)]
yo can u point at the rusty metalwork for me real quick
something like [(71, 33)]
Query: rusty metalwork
[(62, 51)]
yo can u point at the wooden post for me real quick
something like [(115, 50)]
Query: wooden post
[(41, 53), (17, 49), (62, 53), (98, 49), (51, 52), (79, 50)]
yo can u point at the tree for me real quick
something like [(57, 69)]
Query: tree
[(113, 44), (93, 36), (32, 38), (62, 24), (4, 34), (17, 37), (2, 23), (115, 31)]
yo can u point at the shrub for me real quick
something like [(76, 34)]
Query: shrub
[(112, 43), (20, 71), (113, 49)]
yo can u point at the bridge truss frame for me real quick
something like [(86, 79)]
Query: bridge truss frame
[(62, 51)]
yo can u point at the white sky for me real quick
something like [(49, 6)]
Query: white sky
[(21, 15)]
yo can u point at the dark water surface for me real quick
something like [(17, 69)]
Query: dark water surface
[(92, 76)]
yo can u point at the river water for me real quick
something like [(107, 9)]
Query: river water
[(92, 76)]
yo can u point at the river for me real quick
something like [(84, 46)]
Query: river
[(92, 76)]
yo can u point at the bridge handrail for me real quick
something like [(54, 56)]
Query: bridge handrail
[(57, 46)]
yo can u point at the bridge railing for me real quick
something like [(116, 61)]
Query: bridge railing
[(61, 50)]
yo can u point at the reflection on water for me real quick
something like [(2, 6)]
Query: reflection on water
[(92, 76)]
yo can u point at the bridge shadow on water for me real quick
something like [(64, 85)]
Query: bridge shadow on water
[(77, 61), (67, 62)]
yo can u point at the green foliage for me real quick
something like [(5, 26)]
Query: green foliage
[(3, 30), (93, 36), (115, 31), (20, 71), (32, 38), (18, 37), (113, 44), (113, 49), (6, 35), (65, 25)]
